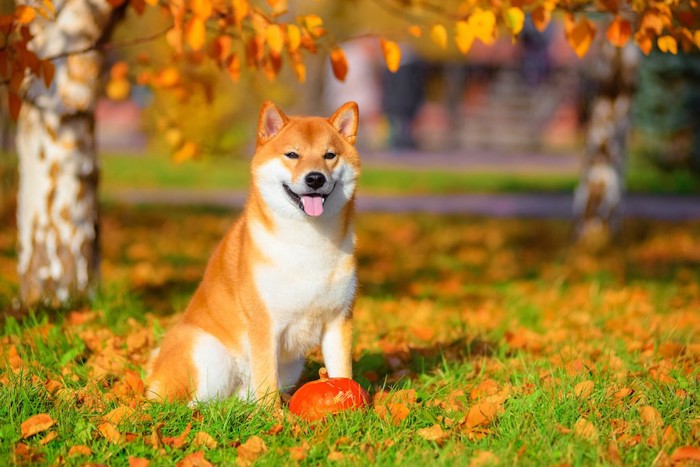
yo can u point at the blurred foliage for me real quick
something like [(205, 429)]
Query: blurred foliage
[(667, 109)]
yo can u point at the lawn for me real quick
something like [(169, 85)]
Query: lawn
[(152, 172), (482, 342)]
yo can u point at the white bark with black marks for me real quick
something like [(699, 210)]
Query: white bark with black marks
[(57, 206), (599, 197)]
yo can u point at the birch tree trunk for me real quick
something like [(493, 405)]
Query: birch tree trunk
[(600, 193), (57, 210)]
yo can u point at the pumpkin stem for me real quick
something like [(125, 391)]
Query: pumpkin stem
[(323, 374)]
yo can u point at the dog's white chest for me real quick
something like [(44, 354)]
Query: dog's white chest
[(306, 280)]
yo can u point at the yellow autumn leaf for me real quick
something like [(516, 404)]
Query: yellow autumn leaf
[(392, 54), (195, 33), (241, 9), (201, 8), (314, 24), (438, 34), (274, 39), (483, 25), (464, 37), (514, 19), (293, 36), (667, 44), (339, 63), (579, 34)]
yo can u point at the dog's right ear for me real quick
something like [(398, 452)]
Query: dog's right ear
[(270, 122)]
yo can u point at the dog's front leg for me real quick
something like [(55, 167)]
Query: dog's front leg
[(263, 348), (336, 346)]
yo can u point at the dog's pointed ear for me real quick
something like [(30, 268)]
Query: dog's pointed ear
[(270, 122), (345, 120)]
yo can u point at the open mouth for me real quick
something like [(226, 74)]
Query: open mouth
[(311, 204)]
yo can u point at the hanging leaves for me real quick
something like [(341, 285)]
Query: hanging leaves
[(667, 44), (464, 37), (514, 19), (438, 34), (339, 63), (274, 39), (392, 54), (195, 32), (619, 31), (579, 34)]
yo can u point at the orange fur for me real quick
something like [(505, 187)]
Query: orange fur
[(235, 304)]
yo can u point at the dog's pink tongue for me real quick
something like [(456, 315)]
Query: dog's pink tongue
[(313, 205)]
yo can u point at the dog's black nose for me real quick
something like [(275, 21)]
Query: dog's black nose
[(315, 180)]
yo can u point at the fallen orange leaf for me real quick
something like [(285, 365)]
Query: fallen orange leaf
[(178, 441), (251, 449), (686, 453), (584, 429), (109, 432), (584, 389), (204, 439), (195, 459), (138, 462), (36, 424), (434, 433), (394, 412), (79, 450), (651, 416), (482, 414)]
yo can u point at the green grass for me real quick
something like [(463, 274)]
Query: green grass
[(506, 300), (148, 171)]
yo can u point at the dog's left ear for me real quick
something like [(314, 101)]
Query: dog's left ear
[(345, 120)]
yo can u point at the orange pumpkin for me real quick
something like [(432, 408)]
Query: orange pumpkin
[(316, 399)]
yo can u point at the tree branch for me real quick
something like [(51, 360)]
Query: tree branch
[(109, 45)]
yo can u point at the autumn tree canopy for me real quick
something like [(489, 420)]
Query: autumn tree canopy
[(242, 34)]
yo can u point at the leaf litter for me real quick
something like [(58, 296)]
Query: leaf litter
[(612, 340)]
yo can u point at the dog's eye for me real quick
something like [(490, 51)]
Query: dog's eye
[(329, 155), (292, 155)]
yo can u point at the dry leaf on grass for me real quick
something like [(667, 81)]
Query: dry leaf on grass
[(36, 424), (335, 456), (403, 396), (178, 441), (651, 417), (584, 389), (109, 432), (79, 450), (204, 439), (117, 415), (298, 453), (50, 436), (195, 459), (686, 453), (138, 462), (250, 450), (482, 414), (396, 413), (433, 433), (584, 429)]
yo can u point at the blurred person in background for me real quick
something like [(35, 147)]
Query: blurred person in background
[(404, 93)]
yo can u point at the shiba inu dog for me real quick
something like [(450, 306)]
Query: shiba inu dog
[(282, 281)]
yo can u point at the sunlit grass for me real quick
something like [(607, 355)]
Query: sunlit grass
[(447, 305), (153, 172)]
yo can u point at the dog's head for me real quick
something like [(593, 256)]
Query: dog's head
[(306, 166)]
